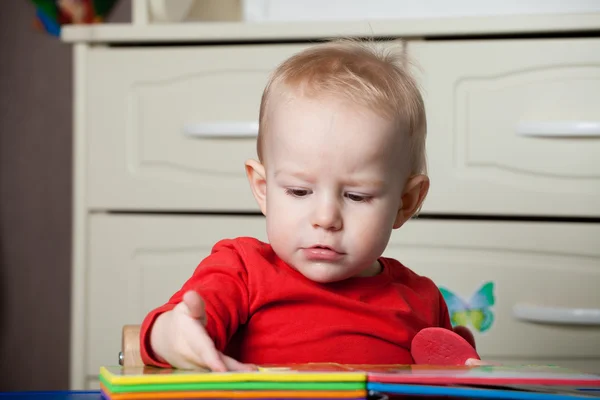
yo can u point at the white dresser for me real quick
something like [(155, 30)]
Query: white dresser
[(165, 116)]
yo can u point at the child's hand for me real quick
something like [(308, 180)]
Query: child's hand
[(179, 338)]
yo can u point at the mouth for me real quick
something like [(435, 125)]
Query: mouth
[(322, 252), (320, 246)]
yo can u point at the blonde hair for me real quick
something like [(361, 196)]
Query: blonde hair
[(376, 77)]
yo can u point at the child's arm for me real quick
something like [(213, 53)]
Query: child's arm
[(179, 338), (191, 329)]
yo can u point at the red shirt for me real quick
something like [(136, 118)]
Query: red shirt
[(262, 311)]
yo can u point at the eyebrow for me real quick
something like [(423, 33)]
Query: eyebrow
[(295, 174), (378, 183), (366, 182)]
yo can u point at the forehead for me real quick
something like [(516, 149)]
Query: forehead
[(330, 127)]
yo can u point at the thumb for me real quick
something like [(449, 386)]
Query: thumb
[(194, 305)]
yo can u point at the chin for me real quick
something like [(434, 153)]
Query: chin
[(324, 277)]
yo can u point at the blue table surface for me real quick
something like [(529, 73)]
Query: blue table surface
[(53, 395)]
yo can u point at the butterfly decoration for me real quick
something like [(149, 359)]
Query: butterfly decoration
[(475, 312)]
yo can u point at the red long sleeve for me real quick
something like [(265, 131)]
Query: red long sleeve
[(262, 311)]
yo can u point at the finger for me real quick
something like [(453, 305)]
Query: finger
[(195, 305), (235, 365), (188, 363), (202, 357), (474, 362), (203, 352)]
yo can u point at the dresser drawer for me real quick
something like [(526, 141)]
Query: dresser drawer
[(171, 127), (137, 262), (514, 125), (543, 279)]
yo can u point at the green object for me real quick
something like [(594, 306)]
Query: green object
[(103, 7)]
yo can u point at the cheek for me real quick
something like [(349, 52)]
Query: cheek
[(281, 222), (373, 230), (378, 229)]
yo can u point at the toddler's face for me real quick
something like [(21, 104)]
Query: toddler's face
[(334, 186)]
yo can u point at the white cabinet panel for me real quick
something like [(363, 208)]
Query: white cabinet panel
[(514, 125), (171, 128), (541, 265)]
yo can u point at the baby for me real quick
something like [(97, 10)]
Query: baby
[(341, 163)]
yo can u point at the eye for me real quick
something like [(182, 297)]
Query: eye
[(297, 192), (358, 198)]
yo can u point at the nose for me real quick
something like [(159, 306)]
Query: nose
[(327, 215)]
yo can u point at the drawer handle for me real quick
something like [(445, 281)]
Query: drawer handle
[(559, 128), (557, 315), (221, 129)]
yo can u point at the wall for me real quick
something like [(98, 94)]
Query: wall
[(35, 201)]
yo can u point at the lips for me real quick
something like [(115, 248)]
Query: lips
[(322, 253), (318, 246)]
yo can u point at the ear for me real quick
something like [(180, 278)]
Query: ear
[(258, 183), (415, 191)]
